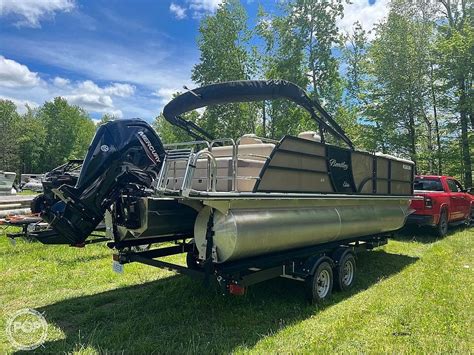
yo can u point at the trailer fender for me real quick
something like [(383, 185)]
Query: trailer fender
[(312, 263), (340, 253)]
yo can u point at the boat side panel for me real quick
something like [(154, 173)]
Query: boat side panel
[(300, 165)]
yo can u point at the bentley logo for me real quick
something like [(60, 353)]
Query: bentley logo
[(341, 165)]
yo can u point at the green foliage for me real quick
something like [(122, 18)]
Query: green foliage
[(69, 131), (9, 129), (44, 138), (224, 46)]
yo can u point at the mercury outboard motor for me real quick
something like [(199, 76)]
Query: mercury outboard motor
[(124, 154)]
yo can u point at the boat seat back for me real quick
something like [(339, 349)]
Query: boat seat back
[(310, 135)]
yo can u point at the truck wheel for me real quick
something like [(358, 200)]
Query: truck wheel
[(470, 217), (344, 274), (319, 286), (442, 228)]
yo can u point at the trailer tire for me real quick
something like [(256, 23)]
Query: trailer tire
[(319, 285), (442, 227), (345, 272)]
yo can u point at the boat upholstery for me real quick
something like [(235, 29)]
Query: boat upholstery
[(310, 135)]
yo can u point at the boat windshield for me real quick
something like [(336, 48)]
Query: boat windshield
[(428, 185)]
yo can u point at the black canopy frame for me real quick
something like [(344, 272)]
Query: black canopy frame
[(248, 91)]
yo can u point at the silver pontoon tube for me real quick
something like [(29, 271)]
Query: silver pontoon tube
[(250, 231)]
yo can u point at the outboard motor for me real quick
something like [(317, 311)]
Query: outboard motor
[(124, 154)]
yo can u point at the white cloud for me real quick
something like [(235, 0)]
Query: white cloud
[(178, 11), (199, 8), (92, 97), (204, 5), (94, 102), (33, 11), (165, 94), (61, 82), (116, 89), (14, 74), (368, 15)]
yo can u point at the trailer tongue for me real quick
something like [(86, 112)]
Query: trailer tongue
[(243, 211)]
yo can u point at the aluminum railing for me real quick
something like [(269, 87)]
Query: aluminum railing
[(186, 153)]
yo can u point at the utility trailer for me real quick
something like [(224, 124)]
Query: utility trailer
[(322, 268)]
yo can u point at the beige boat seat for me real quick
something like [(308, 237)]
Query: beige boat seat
[(310, 135), (252, 154)]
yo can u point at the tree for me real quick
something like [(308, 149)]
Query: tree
[(223, 43), (400, 66), (31, 142), (456, 54), (9, 130), (299, 46), (69, 131), (282, 58), (314, 24)]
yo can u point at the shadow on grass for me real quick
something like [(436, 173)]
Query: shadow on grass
[(177, 314), (424, 234)]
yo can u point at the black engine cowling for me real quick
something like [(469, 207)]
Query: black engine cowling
[(124, 154)]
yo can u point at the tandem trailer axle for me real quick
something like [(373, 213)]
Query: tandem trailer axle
[(322, 267)]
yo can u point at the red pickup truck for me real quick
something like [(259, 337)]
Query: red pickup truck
[(444, 202)]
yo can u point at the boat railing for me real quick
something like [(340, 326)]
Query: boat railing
[(189, 153)]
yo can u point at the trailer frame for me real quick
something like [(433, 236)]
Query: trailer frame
[(234, 277)]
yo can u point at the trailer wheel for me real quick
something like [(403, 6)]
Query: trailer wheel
[(442, 227), (344, 276), (319, 285)]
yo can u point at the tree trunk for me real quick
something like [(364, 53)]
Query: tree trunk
[(464, 135), (430, 142), (435, 119), (412, 133), (264, 119)]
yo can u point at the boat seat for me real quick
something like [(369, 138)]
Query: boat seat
[(310, 135), (252, 155)]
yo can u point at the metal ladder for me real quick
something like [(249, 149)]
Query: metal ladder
[(173, 156)]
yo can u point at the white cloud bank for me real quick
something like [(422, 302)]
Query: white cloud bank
[(22, 86), (32, 12)]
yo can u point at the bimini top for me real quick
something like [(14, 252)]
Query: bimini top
[(247, 91)]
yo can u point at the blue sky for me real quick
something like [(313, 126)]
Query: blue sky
[(120, 57)]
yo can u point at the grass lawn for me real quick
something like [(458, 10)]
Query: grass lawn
[(413, 295)]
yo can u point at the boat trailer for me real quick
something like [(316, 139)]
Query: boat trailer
[(322, 267)]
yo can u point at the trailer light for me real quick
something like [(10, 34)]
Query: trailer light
[(428, 202), (236, 290)]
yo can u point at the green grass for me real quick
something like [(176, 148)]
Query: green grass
[(27, 193), (413, 295)]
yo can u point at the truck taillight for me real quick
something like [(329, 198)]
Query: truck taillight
[(428, 202)]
